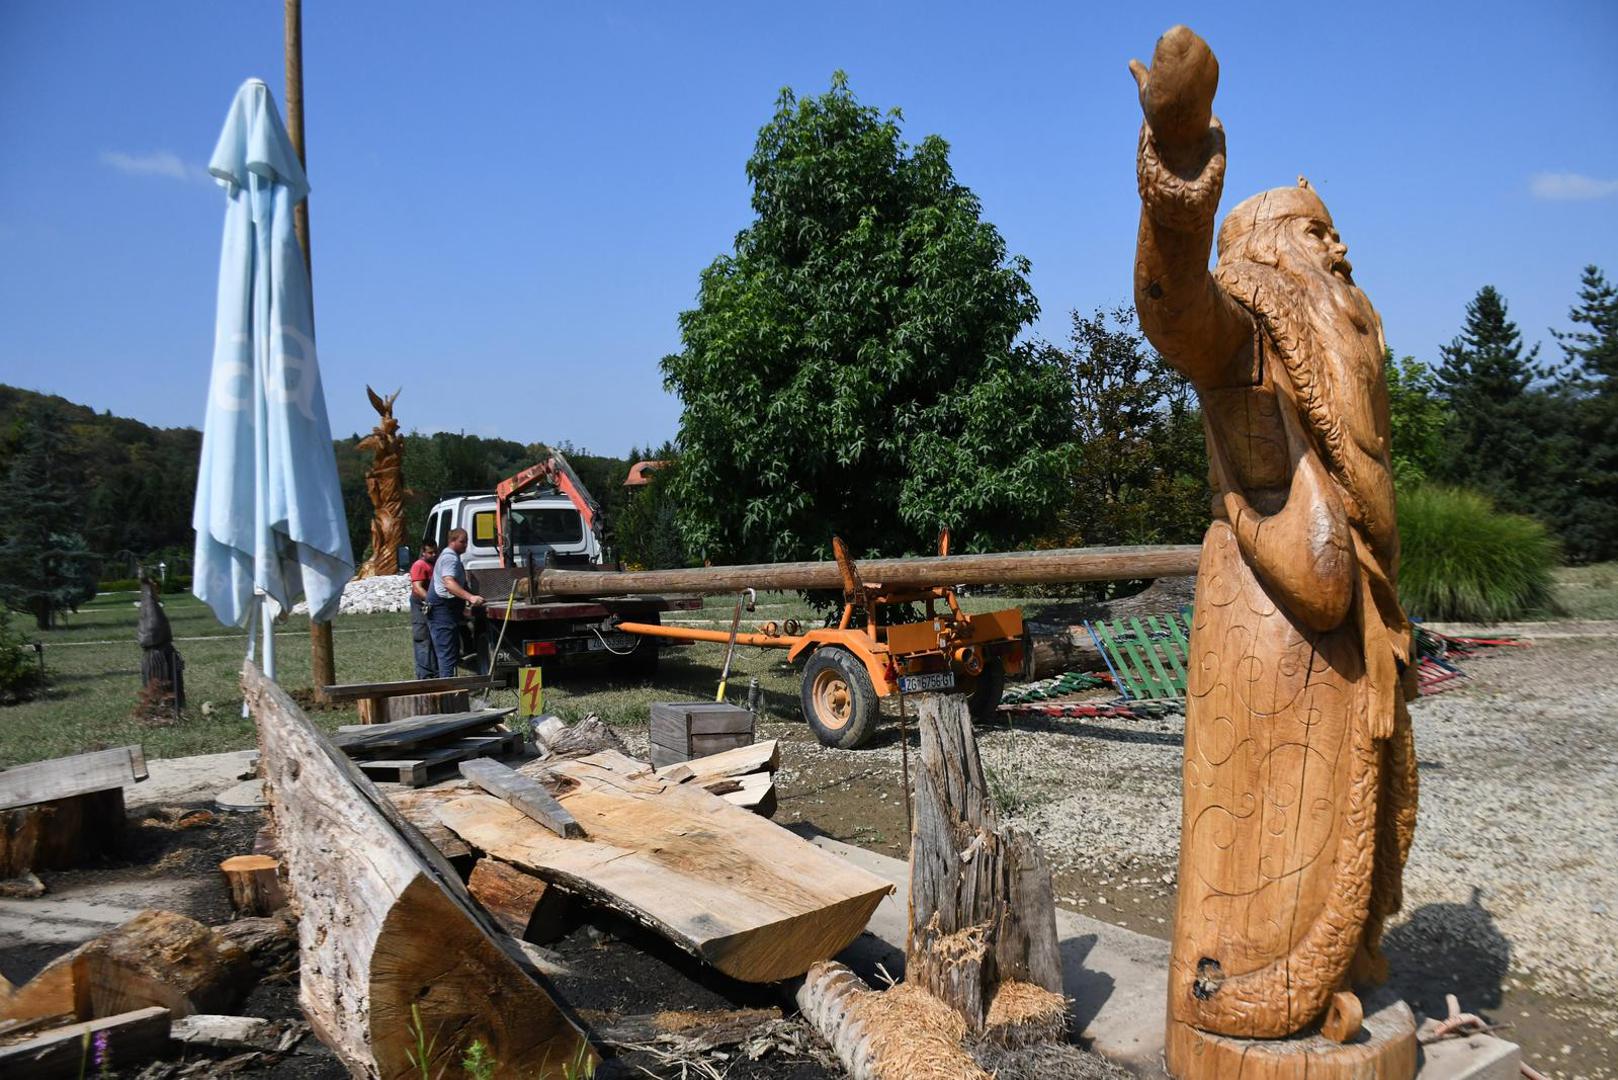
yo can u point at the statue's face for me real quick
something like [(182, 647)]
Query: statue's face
[(1315, 240)]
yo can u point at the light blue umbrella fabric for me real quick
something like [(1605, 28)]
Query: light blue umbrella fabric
[(269, 510)]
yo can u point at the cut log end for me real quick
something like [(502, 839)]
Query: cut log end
[(444, 982)]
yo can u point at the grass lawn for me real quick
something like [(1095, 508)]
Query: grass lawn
[(94, 666)]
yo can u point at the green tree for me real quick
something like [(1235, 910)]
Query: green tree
[(851, 368), (1141, 476), (45, 567), (1586, 514), (1495, 435), (647, 529), (1418, 418)]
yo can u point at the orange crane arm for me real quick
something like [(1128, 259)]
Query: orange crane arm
[(554, 470)]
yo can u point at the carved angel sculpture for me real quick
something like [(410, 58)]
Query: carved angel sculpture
[(1299, 774), (384, 483)]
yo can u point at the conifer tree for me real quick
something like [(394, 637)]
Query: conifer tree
[(45, 567)]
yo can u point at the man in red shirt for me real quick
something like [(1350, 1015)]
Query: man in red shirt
[(421, 582)]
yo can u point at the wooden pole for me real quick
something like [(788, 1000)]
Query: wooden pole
[(322, 662), (1000, 568)]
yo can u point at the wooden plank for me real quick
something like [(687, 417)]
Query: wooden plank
[(758, 757), (132, 1038), (415, 732), (399, 936), (745, 895), (755, 793), (523, 793), (416, 771), (353, 691), (60, 778)]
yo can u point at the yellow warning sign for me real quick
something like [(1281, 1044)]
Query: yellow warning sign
[(530, 692)]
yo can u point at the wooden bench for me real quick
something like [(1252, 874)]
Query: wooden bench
[(385, 702)]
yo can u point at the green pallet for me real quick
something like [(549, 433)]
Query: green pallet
[(1147, 655)]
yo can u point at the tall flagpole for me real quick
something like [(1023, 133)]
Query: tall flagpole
[(322, 664)]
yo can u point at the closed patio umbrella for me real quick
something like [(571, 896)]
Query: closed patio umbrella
[(269, 510)]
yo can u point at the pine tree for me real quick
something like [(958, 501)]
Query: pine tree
[(1587, 517), (45, 567), (1493, 438)]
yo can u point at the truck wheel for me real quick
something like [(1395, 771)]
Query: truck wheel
[(641, 664), (838, 699), (990, 688)]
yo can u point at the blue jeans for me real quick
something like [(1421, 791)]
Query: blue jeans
[(444, 624), (421, 638)]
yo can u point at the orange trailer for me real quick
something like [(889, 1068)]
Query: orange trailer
[(850, 667)]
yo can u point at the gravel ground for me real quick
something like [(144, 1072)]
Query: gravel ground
[(1511, 895)]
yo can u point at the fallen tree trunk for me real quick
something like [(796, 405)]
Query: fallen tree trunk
[(729, 887), (1001, 568), (387, 931)]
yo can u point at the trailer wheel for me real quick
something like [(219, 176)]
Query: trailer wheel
[(838, 699), (990, 688)]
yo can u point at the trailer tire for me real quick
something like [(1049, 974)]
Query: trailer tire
[(990, 688), (838, 698)]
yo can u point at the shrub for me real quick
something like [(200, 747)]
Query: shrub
[(1463, 559), (20, 676)]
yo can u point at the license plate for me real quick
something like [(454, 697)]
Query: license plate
[(615, 642), (916, 684)]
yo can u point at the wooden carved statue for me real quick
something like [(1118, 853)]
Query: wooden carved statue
[(162, 671), (1299, 774), (384, 482)]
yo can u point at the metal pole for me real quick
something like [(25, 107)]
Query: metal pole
[(322, 662)]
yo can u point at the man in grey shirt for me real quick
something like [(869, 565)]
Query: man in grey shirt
[(447, 601)]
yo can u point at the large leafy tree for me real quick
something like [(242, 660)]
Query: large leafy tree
[(1418, 417), (852, 367), (45, 567), (1141, 476)]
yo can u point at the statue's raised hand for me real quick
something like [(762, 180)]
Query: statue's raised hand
[(1177, 94)]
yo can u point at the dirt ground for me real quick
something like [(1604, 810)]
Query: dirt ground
[(1511, 893), (1512, 886)]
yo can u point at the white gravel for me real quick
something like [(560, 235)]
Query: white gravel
[(370, 596), (1511, 892)]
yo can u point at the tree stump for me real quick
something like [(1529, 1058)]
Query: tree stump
[(981, 911), (60, 833), (983, 977), (255, 884)]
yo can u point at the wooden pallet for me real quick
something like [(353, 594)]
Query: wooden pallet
[(436, 763), (1146, 654)]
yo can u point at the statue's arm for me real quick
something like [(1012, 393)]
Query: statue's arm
[(1181, 172)]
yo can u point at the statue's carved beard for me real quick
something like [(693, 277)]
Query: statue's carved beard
[(1328, 293)]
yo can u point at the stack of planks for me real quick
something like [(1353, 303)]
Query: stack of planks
[(423, 749), (739, 892)]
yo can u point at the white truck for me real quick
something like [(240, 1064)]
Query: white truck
[(542, 517)]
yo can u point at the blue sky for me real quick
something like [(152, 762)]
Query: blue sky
[(512, 202)]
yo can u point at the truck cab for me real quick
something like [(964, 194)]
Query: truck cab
[(545, 527)]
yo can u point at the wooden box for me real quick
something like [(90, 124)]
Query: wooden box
[(682, 730)]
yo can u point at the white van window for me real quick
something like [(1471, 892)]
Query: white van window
[(483, 529)]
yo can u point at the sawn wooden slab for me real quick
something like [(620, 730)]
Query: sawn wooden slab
[(741, 893)]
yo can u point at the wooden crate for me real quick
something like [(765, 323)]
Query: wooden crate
[(682, 730)]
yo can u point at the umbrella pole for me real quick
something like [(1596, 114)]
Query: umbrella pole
[(268, 633), (322, 662)]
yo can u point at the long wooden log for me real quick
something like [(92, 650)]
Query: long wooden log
[(999, 568), (388, 936), (743, 894)]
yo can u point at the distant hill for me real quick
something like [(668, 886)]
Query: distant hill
[(140, 481)]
